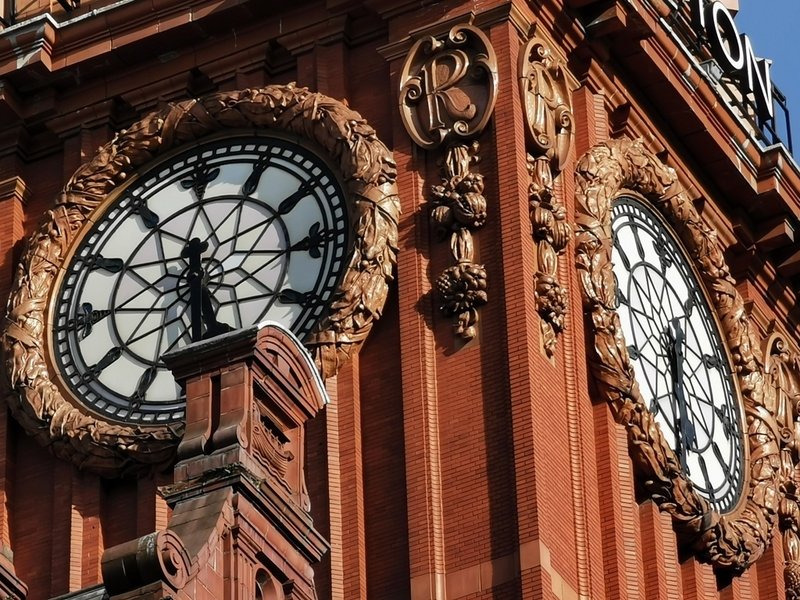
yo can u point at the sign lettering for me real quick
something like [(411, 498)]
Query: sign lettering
[(734, 52)]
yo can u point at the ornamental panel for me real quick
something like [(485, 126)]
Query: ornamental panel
[(448, 87), (547, 106)]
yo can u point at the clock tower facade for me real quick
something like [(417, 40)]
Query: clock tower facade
[(540, 254)]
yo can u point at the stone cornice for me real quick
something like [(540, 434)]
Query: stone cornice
[(715, 155), (702, 100), (519, 16), (45, 45), (332, 30), (14, 187)]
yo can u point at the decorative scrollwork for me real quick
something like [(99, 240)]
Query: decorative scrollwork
[(729, 542), (448, 87), (459, 207), (158, 556), (546, 98), (547, 101), (271, 451), (369, 173)]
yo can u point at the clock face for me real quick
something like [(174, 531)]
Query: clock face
[(219, 237), (675, 347)]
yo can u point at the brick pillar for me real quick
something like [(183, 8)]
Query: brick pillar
[(14, 194), (240, 523), (418, 371), (530, 373)]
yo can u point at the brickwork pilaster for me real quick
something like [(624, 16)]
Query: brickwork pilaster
[(418, 368), (88, 500), (698, 581), (659, 554), (545, 509), (619, 518)]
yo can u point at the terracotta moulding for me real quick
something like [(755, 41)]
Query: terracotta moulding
[(368, 170), (547, 107), (782, 367), (732, 542), (447, 95)]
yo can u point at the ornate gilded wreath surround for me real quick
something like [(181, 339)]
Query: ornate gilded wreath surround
[(729, 542), (368, 170)]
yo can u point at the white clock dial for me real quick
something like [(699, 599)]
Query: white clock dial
[(220, 237), (674, 343)]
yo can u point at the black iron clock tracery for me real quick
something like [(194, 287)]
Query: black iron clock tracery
[(680, 362), (245, 228)]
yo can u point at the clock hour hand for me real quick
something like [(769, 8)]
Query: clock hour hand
[(213, 327), (194, 277), (201, 308), (685, 429)]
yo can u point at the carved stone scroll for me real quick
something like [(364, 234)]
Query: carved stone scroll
[(547, 103), (368, 170), (159, 556), (448, 87), (729, 542), (459, 207)]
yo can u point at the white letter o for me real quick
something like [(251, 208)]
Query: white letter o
[(721, 29)]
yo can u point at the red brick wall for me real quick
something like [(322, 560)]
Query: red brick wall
[(487, 466)]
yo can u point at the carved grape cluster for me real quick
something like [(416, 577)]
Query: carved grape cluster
[(463, 288)]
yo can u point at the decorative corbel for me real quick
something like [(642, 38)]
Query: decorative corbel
[(448, 91), (547, 104)]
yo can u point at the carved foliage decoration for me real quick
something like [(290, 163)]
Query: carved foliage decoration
[(730, 543), (447, 95), (783, 378), (448, 87), (547, 104), (369, 173), (459, 207)]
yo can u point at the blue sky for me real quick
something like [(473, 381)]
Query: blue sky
[(772, 26)]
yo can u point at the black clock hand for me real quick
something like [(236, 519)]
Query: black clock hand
[(194, 277), (685, 426), (200, 305), (672, 358), (213, 327)]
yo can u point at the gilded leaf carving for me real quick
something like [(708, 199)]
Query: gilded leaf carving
[(459, 207), (782, 365), (547, 103)]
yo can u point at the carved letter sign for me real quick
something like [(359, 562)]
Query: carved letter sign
[(448, 87)]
